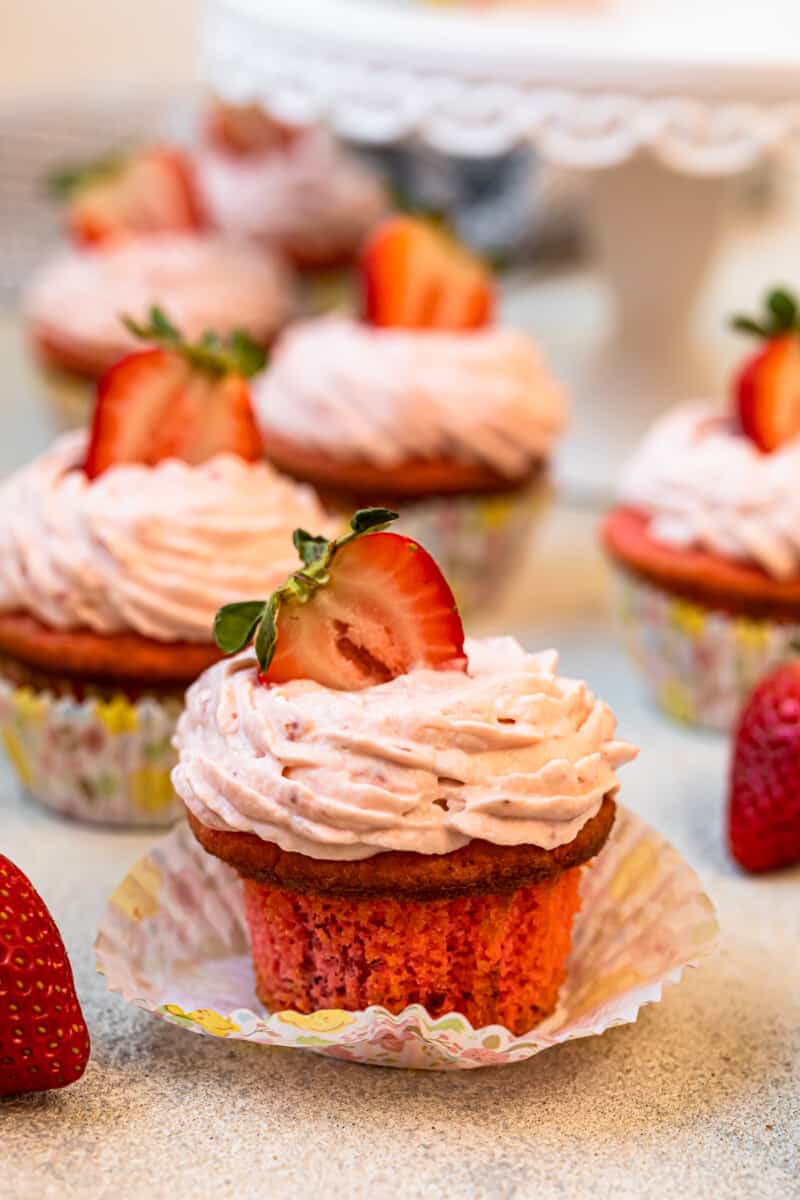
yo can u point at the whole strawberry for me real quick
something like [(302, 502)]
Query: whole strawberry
[(44, 1042), (764, 802)]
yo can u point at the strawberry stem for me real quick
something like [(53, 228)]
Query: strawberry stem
[(781, 315), (67, 180), (236, 624), (237, 354)]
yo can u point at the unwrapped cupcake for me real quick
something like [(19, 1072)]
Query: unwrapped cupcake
[(410, 813), (423, 403), (706, 535), (116, 550)]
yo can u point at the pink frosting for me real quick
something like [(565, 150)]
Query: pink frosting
[(386, 395), (156, 550), (508, 752), (706, 485), (309, 196), (203, 283)]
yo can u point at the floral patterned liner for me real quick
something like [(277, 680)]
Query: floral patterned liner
[(101, 760), (700, 664), (174, 943)]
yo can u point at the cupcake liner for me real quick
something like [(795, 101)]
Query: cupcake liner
[(476, 539), (174, 943), (101, 760), (700, 664)]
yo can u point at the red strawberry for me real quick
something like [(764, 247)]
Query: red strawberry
[(767, 388), (150, 191), (416, 277), (44, 1042), (764, 801), (175, 401), (361, 611)]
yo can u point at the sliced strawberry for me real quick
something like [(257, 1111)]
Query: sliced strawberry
[(44, 1042), (175, 401), (415, 277), (152, 191), (768, 393), (363, 610)]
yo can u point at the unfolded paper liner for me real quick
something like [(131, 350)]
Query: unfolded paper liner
[(106, 761), (477, 540), (174, 942), (700, 664)]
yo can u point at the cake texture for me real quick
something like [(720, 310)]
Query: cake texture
[(419, 840), (704, 541)]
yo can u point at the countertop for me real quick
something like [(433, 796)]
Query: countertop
[(701, 1097)]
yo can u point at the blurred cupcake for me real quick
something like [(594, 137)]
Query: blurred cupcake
[(425, 405), (72, 304), (706, 534), (116, 549), (292, 187), (410, 814)]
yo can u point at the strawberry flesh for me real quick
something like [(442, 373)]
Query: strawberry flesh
[(386, 609), (417, 278), (151, 192), (44, 1042), (768, 394), (764, 798), (154, 405)]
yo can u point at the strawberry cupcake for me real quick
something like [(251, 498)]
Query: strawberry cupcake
[(423, 404), (410, 814), (705, 536), (291, 187), (116, 549)]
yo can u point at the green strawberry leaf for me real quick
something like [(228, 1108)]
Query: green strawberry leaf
[(235, 624), (237, 354)]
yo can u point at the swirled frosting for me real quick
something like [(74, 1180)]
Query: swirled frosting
[(508, 752), (153, 550), (387, 395), (307, 196), (705, 485), (202, 282)]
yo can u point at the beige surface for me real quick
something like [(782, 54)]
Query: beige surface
[(701, 1098)]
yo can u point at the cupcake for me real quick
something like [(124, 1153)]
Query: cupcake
[(410, 814), (291, 187), (705, 534), (424, 404), (72, 304), (116, 549)]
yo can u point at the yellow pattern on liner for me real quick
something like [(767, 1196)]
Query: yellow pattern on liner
[(327, 1020), (118, 715), (137, 897), (151, 788), (206, 1018), (19, 758), (30, 706)]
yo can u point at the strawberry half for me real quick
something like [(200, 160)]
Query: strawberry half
[(415, 277), (175, 401), (767, 388), (362, 610), (44, 1042), (150, 191), (764, 799)]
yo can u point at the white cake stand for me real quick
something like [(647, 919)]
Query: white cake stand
[(661, 103)]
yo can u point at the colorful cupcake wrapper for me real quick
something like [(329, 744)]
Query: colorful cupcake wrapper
[(700, 664), (101, 760), (476, 540), (174, 943)]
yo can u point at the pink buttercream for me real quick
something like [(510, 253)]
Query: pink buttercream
[(387, 395), (308, 196), (202, 283), (704, 484), (508, 752), (156, 550)]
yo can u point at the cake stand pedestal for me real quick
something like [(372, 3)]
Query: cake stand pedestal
[(663, 105)]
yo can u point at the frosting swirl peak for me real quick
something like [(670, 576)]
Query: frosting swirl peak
[(508, 752), (153, 550)]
